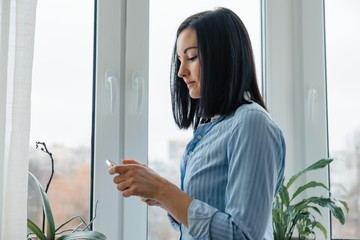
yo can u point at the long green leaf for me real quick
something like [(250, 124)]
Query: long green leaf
[(319, 164), (322, 228), (301, 206), (36, 230), (316, 209), (310, 224), (304, 206), (331, 204), (50, 229), (305, 223), (311, 184), (83, 235), (284, 195), (279, 225), (345, 205)]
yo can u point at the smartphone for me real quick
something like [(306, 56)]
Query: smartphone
[(109, 163)]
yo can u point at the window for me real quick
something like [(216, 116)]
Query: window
[(343, 86), (166, 142), (62, 107), (293, 62)]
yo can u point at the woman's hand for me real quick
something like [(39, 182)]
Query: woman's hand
[(137, 179)]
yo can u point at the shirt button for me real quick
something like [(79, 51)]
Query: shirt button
[(199, 137)]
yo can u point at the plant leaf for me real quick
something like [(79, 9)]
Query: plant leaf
[(319, 164), (50, 226), (36, 230), (331, 204), (284, 195), (316, 209), (305, 223), (322, 228), (311, 184), (287, 215), (68, 221), (84, 235), (303, 205), (345, 205)]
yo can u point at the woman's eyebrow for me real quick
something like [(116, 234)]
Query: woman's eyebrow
[(188, 48)]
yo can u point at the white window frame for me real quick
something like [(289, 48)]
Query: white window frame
[(294, 62), (121, 112), (293, 71)]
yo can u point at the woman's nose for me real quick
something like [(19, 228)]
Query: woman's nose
[(183, 71)]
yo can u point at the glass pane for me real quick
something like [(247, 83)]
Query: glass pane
[(343, 61), (61, 108), (166, 142)]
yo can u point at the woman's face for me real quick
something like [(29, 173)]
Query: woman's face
[(190, 68)]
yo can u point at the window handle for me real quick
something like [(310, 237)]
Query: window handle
[(138, 86), (110, 85), (311, 103)]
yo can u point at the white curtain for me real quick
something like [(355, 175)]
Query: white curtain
[(17, 25)]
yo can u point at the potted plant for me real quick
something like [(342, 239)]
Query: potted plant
[(290, 212), (52, 233)]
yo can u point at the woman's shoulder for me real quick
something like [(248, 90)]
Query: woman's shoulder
[(251, 115), (250, 119), (250, 112)]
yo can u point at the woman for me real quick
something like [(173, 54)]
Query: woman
[(233, 166)]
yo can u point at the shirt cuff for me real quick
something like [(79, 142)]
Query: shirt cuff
[(199, 219)]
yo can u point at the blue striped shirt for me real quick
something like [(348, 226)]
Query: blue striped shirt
[(232, 168)]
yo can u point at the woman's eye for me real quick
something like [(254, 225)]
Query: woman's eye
[(192, 58)]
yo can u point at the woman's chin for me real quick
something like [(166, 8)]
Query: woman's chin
[(194, 95)]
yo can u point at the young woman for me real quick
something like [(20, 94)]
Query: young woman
[(232, 168)]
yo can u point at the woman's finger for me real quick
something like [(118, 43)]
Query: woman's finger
[(120, 169), (118, 179), (126, 161)]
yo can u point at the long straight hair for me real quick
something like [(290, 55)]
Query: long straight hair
[(228, 69)]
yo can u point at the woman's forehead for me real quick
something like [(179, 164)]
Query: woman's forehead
[(186, 41)]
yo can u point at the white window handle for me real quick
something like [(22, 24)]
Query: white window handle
[(138, 86), (311, 104), (110, 85)]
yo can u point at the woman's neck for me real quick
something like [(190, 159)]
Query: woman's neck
[(214, 118)]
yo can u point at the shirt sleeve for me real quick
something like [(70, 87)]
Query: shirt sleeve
[(255, 155)]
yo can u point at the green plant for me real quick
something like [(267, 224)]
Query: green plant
[(290, 212), (52, 233)]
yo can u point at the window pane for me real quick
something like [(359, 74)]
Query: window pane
[(166, 142), (343, 61), (61, 107)]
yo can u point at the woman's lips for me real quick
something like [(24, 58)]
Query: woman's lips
[(190, 84)]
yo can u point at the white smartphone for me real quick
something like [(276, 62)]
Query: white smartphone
[(109, 163)]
